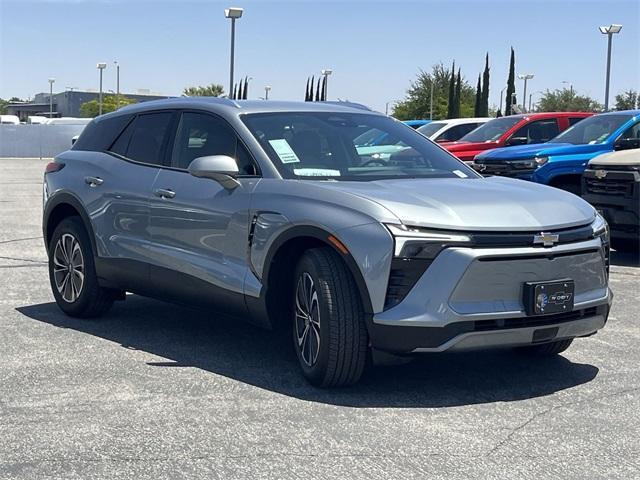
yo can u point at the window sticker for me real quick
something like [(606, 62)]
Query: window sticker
[(284, 151), (316, 172), (460, 174)]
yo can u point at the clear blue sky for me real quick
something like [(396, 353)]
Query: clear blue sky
[(375, 48)]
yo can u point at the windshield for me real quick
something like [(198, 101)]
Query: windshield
[(431, 128), (492, 130), (312, 145), (592, 130)]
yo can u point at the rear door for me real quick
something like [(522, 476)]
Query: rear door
[(199, 229), (121, 212)]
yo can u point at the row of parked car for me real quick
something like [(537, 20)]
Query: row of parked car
[(595, 156)]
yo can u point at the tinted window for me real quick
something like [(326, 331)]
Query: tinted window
[(574, 120), (200, 135), (492, 130), (594, 129), (315, 145), (431, 128), (632, 132), (100, 133), (144, 138), (540, 131), (457, 132)]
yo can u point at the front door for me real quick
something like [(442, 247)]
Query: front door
[(199, 229)]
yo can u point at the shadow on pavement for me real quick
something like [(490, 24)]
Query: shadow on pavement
[(224, 346)]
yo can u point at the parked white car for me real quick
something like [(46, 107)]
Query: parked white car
[(451, 130), (9, 120)]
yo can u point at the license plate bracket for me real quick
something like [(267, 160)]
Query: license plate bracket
[(545, 298)]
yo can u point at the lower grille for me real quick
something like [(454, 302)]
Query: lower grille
[(618, 187), (541, 321)]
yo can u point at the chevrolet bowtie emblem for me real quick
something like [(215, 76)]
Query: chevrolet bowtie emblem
[(546, 239), (600, 174)]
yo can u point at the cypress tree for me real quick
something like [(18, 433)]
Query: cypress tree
[(323, 97), (456, 102), (511, 83), (478, 107), (239, 97), (234, 95), (306, 91), (245, 92), (311, 87), (484, 111), (452, 91), (318, 91)]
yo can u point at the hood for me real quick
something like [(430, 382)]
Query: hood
[(627, 158), (541, 150), (493, 203)]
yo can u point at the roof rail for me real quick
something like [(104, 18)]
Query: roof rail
[(341, 103)]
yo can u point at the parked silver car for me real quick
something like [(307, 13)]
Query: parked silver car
[(271, 211)]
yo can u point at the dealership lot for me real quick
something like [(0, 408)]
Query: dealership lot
[(157, 390)]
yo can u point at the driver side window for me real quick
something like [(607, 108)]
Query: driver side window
[(632, 132), (540, 131), (201, 135)]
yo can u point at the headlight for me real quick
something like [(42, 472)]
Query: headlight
[(418, 242), (541, 160), (600, 227), (529, 162)]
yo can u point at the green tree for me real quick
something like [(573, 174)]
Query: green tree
[(3, 106), (213, 90), (628, 100), (566, 100), (477, 106), (417, 101), (90, 109), (484, 110), (457, 97), (511, 83), (452, 91)]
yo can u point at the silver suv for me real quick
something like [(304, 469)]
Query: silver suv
[(272, 211)]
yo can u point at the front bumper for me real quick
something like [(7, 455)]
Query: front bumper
[(473, 298)]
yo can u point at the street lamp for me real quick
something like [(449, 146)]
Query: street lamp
[(501, 93), (100, 66), (51, 82), (531, 95), (117, 84), (267, 89), (525, 77), (325, 73), (233, 13), (570, 87), (609, 32)]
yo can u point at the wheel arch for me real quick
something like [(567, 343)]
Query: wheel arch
[(59, 207), (282, 257)]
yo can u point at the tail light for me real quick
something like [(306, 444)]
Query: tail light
[(53, 167)]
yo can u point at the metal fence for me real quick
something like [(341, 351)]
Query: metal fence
[(36, 141)]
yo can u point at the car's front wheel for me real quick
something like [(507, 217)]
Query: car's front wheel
[(329, 331), (72, 272)]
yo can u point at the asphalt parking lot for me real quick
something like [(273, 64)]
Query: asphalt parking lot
[(154, 390)]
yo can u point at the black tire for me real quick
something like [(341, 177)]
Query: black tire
[(342, 333), (91, 300), (552, 348)]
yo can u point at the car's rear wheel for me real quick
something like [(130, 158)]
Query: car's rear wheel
[(72, 272), (329, 331), (552, 348)]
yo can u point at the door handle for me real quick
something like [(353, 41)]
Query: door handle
[(93, 181), (164, 193)]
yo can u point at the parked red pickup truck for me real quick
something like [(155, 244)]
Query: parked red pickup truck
[(513, 130)]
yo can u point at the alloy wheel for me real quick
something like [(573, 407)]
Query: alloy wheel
[(68, 267), (307, 321)]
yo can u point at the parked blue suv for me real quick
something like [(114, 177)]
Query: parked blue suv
[(561, 161)]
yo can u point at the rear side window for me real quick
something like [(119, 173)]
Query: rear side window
[(100, 133), (457, 132), (574, 120), (143, 140)]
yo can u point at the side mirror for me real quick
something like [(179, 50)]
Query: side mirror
[(627, 144), (221, 168), (513, 141)]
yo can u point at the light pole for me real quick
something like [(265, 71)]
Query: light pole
[(51, 82), (431, 101), (501, 93), (325, 73), (100, 66), (233, 13), (609, 32), (525, 77), (530, 96), (117, 84), (267, 89), (570, 87)]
